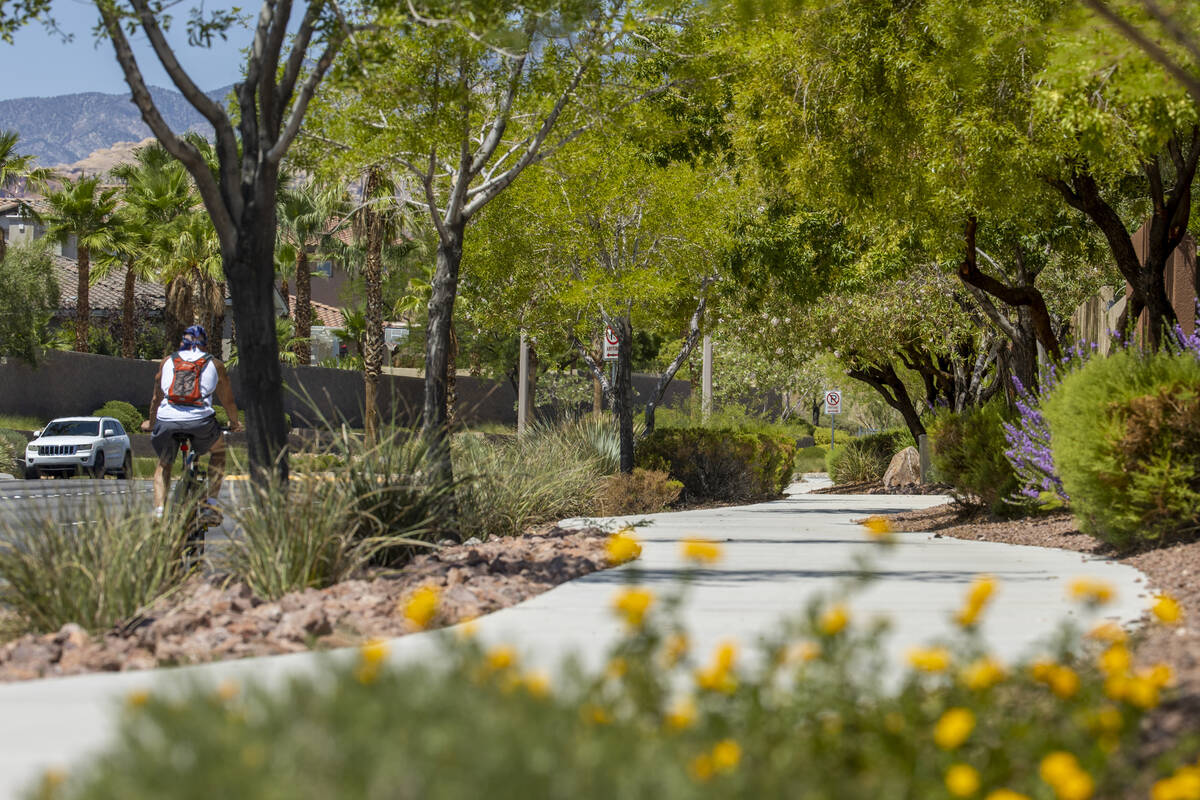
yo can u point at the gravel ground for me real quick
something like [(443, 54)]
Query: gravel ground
[(1173, 570)]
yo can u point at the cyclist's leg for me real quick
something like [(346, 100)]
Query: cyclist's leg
[(165, 447), (162, 484)]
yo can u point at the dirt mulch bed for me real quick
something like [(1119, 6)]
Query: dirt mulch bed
[(1174, 570), (208, 622)]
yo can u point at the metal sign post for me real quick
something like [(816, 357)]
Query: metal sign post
[(833, 407)]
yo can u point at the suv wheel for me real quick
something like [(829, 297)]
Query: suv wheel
[(98, 466), (126, 472), (32, 473)]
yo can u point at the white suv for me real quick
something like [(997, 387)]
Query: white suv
[(72, 445)]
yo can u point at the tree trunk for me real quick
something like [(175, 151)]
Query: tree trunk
[(452, 377), (883, 378), (373, 336), (287, 300), (437, 352), (216, 332), (83, 308), (178, 311), (128, 338), (259, 374), (689, 343), (597, 397), (623, 408), (302, 309)]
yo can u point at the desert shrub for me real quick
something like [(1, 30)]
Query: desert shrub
[(806, 717), (55, 569), (866, 458), (717, 465), (643, 492), (969, 454), (124, 413), (1125, 432), (810, 459), (511, 483)]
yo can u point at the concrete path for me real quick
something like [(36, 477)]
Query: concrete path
[(777, 556)]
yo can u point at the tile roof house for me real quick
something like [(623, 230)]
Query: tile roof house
[(106, 296)]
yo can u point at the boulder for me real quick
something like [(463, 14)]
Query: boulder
[(905, 469)]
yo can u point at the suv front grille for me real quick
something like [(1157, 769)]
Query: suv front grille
[(56, 450)]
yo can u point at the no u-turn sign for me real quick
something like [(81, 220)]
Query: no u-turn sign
[(833, 401)]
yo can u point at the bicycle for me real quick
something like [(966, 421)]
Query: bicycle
[(190, 499)]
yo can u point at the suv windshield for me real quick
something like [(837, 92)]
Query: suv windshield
[(67, 427)]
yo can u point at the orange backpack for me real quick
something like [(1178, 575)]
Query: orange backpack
[(185, 382)]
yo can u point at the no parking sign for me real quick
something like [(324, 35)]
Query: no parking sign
[(611, 344), (833, 401)]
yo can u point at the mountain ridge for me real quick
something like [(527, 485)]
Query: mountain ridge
[(64, 129)]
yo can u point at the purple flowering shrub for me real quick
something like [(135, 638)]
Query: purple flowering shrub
[(1029, 437)]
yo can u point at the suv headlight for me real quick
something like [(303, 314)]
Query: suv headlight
[(83, 448)]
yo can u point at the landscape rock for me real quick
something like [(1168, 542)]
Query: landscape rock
[(206, 621), (904, 469)]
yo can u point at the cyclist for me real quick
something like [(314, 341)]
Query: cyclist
[(182, 403)]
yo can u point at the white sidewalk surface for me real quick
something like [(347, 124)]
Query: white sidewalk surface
[(776, 556)]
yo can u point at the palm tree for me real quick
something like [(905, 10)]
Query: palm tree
[(189, 258), (15, 168), (84, 210), (304, 213), (157, 191)]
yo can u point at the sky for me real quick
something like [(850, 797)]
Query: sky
[(40, 64)]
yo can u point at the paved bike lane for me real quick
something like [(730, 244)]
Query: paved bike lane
[(777, 556)]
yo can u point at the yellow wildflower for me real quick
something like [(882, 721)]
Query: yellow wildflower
[(1109, 632), (1115, 660), (1091, 591), (1116, 687), (137, 698), (1142, 693), (595, 714), (725, 755), (702, 551), (1005, 794), (501, 658), (962, 780), (803, 652), (1062, 771), (1160, 675), (953, 728), (632, 604), (719, 677), (1064, 682), (371, 656), (675, 648), (537, 683), (702, 768), (1110, 719), (468, 629), (52, 779), (931, 659), (422, 606), (983, 673), (978, 594), (227, 690), (834, 620), (682, 715), (622, 547), (1183, 785), (1166, 609), (878, 528)]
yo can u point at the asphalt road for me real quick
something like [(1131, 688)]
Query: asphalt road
[(70, 500)]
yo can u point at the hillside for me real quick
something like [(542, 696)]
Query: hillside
[(68, 128)]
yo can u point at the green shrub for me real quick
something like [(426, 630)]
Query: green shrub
[(968, 453), (509, 483), (643, 492), (12, 448), (810, 459), (721, 465), (55, 570), (124, 413), (467, 723), (1125, 432)]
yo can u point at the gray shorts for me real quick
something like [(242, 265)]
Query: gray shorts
[(204, 432)]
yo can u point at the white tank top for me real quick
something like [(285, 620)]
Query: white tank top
[(208, 384)]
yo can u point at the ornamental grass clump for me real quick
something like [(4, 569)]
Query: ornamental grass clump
[(1126, 440), (93, 564), (818, 711)]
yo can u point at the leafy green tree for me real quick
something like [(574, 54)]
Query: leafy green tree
[(466, 113), (84, 210), (28, 297)]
